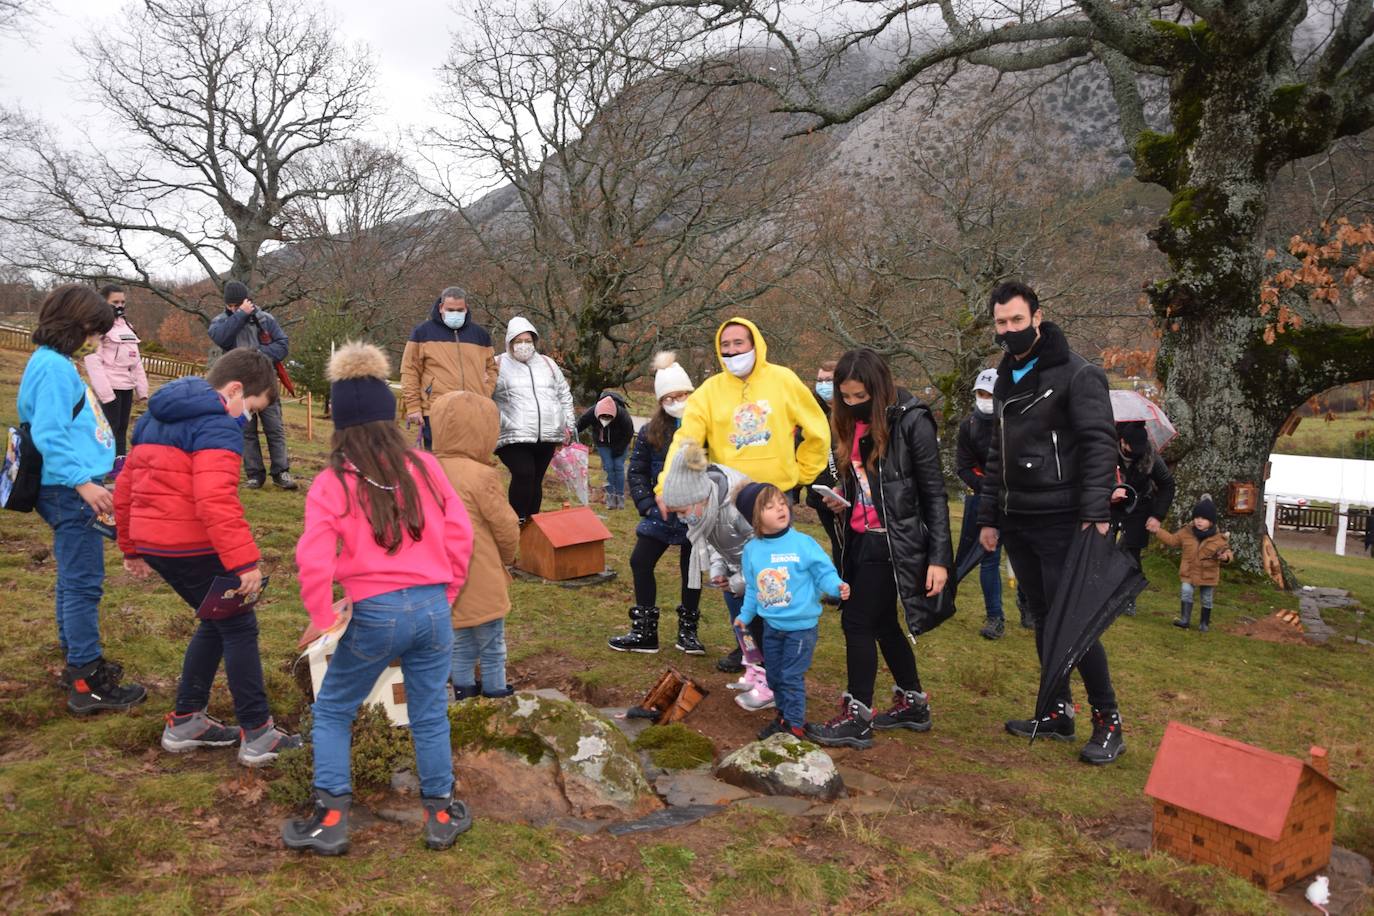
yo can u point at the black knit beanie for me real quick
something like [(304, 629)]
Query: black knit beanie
[(746, 499), (1205, 509), (234, 293), (358, 392)]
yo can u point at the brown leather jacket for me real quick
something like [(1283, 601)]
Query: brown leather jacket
[(1201, 562)]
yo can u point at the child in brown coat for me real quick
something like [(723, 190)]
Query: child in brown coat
[(465, 427), (1204, 549)]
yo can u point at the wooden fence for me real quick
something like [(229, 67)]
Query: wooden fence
[(1320, 518)]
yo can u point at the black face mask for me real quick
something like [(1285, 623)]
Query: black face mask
[(863, 412), (1017, 342)]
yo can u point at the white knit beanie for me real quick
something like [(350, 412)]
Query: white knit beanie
[(669, 376)]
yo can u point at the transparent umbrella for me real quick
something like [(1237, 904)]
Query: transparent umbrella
[(1132, 406)]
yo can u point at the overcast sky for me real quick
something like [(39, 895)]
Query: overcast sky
[(408, 38)]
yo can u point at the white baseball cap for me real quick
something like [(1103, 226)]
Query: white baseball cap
[(986, 380)]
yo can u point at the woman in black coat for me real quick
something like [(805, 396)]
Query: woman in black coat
[(613, 428), (1146, 491), (894, 543)]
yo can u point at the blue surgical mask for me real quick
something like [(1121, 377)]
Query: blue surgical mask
[(455, 320), (826, 390)]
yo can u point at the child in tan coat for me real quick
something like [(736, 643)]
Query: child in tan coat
[(1204, 549), (465, 427)]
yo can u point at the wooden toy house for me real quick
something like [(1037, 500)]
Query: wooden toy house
[(566, 544), (1264, 816), (389, 691)]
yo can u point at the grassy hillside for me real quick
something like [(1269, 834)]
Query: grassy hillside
[(94, 815)]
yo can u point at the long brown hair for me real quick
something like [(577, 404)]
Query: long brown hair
[(375, 456), (658, 432), (870, 370)]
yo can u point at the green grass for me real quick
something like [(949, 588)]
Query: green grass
[(1336, 438), (93, 814)]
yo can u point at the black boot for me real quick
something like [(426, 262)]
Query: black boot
[(1107, 742), (1129, 610), (687, 640), (1023, 608), (853, 727), (1185, 615), (445, 819), (1206, 623), (732, 663), (95, 686), (1057, 725), (325, 832), (643, 635), (466, 692), (910, 710)]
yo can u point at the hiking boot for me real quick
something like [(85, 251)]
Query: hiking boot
[(445, 819), (1185, 615), (325, 832), (196, 729), (643, 635), (285, 481), (1205, 623), (504, 692), (1057, 725), (114, 670), (687, 640), (253, 483), (1107, 742), (910, 710), (757, 697), (853, 727), (1129, 609), (780, 727), (732, 663), (466, 692), (260, 746), (994, 628), (95, 686)]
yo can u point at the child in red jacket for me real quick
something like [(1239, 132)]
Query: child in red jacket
[(177, 513)]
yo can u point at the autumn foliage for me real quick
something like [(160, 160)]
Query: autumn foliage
[(1333, 259)]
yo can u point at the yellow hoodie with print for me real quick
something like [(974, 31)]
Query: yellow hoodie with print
[(748, 424)]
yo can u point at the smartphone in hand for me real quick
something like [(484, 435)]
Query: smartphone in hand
[(830, 493)]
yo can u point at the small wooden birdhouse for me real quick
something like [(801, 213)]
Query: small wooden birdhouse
[(566, 544), (389, 691), (1264, 816)]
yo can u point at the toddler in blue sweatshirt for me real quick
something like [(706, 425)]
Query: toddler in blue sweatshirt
[(785, 574)]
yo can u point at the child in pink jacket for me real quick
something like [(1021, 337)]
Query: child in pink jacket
[(384, 522), (115, 370)]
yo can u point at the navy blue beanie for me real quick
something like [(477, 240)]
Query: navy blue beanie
[(747, 498), (358, 391)]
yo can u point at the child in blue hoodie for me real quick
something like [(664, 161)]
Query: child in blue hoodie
[(785, 575), (78, 448)]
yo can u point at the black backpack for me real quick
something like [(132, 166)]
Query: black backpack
[(21, 474)]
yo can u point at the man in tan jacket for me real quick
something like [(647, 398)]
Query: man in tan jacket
[(447, 352)]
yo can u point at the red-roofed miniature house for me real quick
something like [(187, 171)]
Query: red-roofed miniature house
[(1266, 817), (566, 544)]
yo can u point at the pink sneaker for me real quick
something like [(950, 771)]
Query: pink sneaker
[(753, 674), (760, 697)]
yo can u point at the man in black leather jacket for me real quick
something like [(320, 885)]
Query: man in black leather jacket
[(1051, 471)]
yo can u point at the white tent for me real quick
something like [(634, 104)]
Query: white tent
[(1343, 482)]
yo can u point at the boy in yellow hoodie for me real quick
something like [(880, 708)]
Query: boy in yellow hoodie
[(747, 414)]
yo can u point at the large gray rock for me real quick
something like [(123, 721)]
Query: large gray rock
[(782, 765)]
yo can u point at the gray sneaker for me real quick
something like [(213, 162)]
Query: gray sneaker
[(188, 732), (260, 746), (285, 481)]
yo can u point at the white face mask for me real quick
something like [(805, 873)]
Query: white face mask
[(605, 421), (523, 352), (984, 405), (676, 409), (741, 364)]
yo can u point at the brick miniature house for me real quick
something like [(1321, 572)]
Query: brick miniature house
[(566, 544), (1267, 817)]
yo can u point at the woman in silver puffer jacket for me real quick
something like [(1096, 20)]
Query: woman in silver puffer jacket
[(536, 415)]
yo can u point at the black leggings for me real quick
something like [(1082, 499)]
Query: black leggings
[(1037, 555), (648, 551), (870, 622), (527, 463), (117, 413)]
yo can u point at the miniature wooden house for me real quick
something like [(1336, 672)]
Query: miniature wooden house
[(566, 544), (389, 691), (1264, 816)]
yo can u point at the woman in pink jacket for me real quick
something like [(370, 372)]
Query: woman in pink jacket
[(115, 370), (384, 522)]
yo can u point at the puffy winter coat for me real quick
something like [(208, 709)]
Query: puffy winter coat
[(910, 500), (617, 434), (117, 365), (731, 530), (534, 398), (1054, 450), (237, 329), (438, 359), (641, 475), (1201, 560), (465, 427), (971, 448), (178, 494), (1149, 476)]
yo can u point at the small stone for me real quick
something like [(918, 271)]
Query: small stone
[(697, 787), (660, 820), (870, 804), (861, 781), (632, 727), (405, 782), (783, 765), (549, 693), (782, 804)]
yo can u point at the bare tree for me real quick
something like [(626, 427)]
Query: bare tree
[(1252, 86), (14, 12), (212, 104), (639, 205)]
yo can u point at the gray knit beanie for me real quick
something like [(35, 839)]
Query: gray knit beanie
[(686, 483)]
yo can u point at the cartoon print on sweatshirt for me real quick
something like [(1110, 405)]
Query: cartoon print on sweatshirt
[(772, 584), (104, 433), (751, 424)]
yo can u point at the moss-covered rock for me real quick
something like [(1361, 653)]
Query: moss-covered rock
[(676, 747), (782, 765)]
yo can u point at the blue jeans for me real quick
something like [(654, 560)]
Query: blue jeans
[(614, 466), (411, 624), (990, 569), (486, 643), (80, 553), (1205, 592), (787, 658)]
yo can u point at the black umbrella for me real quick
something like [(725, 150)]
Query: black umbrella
[(971, 552), (1097, 584)]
